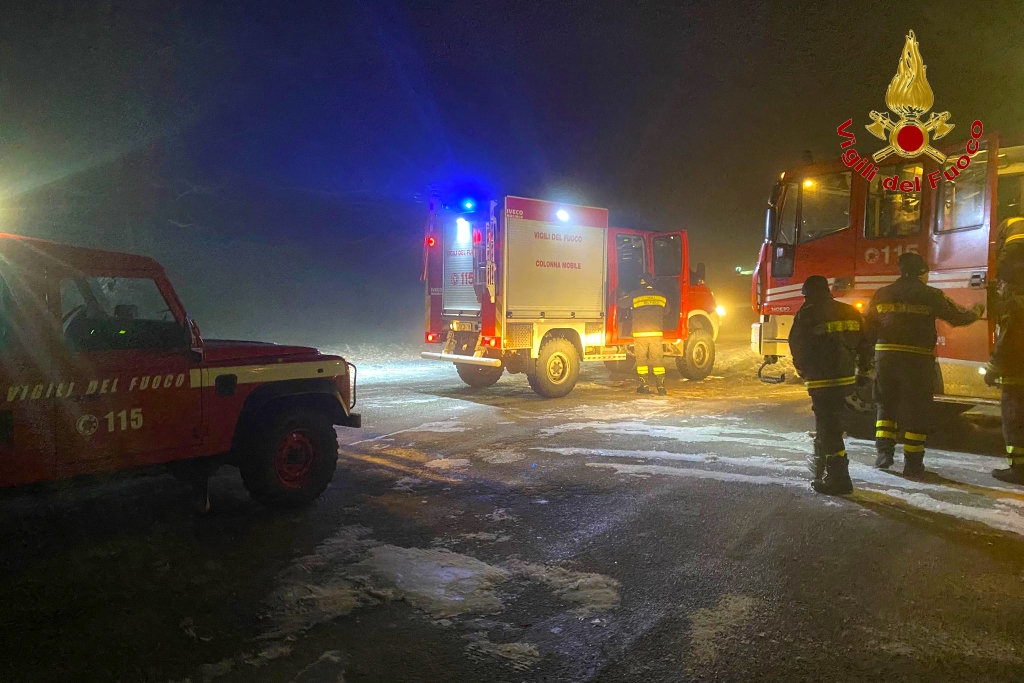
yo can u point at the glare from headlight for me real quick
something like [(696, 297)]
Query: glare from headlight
[(720, 310)]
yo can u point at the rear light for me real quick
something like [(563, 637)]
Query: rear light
[(431, 337), (493, 342), (431, 241), (478, 237)]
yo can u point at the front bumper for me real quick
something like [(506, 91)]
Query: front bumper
[(346, 418), (354, 420), (771, 337)]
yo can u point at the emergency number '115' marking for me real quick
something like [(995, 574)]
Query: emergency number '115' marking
[(124, 419), (874, 255)]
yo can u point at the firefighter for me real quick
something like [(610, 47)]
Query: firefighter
[(901, 319), (829, 346), (648, 308), (1005, 368)]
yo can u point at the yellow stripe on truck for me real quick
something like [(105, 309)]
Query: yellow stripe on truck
[(279, 372)]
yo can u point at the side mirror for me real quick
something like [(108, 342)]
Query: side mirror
[(195, 340), (783, 260), (769, 223), (700, 274)]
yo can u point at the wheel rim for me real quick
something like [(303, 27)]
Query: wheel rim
[(558, 367), (701, 354), (294, 458)]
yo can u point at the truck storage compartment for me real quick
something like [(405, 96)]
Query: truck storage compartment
[(555, 270)]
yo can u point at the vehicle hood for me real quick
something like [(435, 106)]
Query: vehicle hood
[(217, 350)]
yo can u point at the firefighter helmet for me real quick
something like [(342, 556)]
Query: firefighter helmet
[(912, 265), (816, 287)]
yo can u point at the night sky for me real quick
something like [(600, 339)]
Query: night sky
[(673, 115)]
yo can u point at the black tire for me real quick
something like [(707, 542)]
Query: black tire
[(478, 377), (698, 357), (558, 368), (292, 459)]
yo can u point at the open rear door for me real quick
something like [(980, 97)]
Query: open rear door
[(670, 265)]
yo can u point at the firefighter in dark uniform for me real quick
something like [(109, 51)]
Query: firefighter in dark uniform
[(1006, 366), (832, 354), (648, 307), (901, 320)]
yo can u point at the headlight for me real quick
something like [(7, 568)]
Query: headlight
[(720, 310)]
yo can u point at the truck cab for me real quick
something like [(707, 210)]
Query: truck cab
[(104, 370), (829, 219)]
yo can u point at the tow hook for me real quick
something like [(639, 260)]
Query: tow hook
[(770, 360)]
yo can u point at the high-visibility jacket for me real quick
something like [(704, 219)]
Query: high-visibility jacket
[(901, 316), (1008, 353), (829, 344), (648, 306), (1010, 253)]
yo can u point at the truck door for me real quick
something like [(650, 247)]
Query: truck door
[(26, 415), (962, 209), (127, 350), (892, 227), (627, 263), (813, 237), (671, 269)]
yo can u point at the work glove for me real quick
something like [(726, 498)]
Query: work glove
[(992, 375), (979, 309)]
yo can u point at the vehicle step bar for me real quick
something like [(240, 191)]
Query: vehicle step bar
[(465, 360)]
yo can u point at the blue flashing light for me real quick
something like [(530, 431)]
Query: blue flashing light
[(468, 204), (563, 215)]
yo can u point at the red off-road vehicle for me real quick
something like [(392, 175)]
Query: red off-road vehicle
[(101, 369)]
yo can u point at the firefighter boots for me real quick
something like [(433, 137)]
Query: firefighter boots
[(816, 462), (837, 477), (913, 465), (1014, 474), (884, 460), (643, 388), (659, 380)]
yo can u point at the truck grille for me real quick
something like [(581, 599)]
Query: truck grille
[(519, 336)]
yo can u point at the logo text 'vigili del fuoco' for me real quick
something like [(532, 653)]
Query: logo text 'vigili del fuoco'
[(909, 97)]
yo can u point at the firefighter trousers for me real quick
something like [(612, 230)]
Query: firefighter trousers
[(904, 387), (828, 405), (650, 358), (1012, 403)]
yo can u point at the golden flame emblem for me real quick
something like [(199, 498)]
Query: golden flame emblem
[(909, 96)]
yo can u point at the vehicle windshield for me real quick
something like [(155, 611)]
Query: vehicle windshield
[(104, 313)]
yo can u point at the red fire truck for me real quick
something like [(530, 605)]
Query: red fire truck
[(828, 219), (535, 287), (101, 369)]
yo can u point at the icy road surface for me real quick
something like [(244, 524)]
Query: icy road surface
[(493, 535)]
